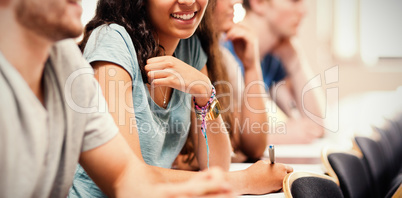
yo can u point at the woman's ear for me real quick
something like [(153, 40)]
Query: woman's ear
[(259, 6)]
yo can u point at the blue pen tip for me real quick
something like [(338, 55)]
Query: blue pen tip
[(271, 146)]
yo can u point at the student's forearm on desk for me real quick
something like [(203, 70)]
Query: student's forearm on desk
[(237, 179), (260, 178)]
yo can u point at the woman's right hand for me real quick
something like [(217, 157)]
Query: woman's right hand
[(172, 72), (264, 177)]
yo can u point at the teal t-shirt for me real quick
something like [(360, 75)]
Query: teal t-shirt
[(162, 132)]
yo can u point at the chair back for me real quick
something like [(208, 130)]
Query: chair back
[(310, 185), (391, 142), (375, 160), (348, 169)]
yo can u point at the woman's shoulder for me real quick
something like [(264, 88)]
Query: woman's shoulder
[(109, 37), (112, 43), (111, 32)]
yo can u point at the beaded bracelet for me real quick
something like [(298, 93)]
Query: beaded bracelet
[(203, 111)]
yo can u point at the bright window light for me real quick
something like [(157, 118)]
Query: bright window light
[(345, 28), (239, 13), (88, 12)]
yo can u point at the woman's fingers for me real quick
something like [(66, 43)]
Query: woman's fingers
[(160, 82), (239, 32), (156, 74), (158, 66), (158, 59), (167, 77), (174, 73), (289, 169)]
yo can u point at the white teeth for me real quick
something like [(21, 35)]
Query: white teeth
[(183, 16)]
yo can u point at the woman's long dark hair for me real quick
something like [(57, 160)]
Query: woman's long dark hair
[(217, 73), (209, 38), (132, 15)]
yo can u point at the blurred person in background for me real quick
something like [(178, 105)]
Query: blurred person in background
[(284, 69), (249, 95)]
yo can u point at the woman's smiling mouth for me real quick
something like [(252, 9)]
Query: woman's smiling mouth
[(183, 16)]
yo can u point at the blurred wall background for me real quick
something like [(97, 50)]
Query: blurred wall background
[(362, 37)]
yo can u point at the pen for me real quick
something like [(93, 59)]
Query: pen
[(271, 150)]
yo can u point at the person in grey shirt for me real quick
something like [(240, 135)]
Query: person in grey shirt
[(54, 116)]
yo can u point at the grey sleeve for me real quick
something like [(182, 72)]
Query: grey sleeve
[(100, 126), (84, 99), (112, 44)]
